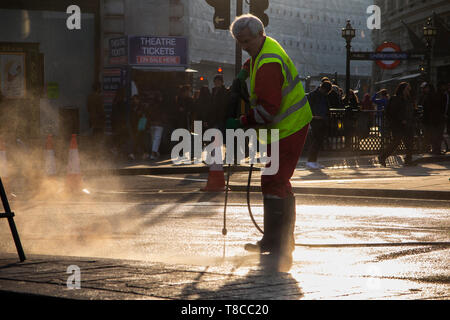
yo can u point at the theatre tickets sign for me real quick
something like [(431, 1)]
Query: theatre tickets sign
[(148, 51)]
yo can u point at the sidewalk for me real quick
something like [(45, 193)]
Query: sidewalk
[(346, 176)]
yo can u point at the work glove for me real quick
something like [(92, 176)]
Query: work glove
[(233, 123), (242, 75)]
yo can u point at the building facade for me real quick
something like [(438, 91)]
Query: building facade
[(62, 64), (397, 17), (309, 31), (58, 65)]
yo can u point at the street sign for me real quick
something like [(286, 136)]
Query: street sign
[(218, 20), (389, 48), (154, 50), (258, 8), (387, 56)]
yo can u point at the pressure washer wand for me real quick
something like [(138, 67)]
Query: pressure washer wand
[(224, 230)]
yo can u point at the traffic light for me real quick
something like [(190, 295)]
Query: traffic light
[(422, 69), (220, 70), (257, 8), (200, 81), (221, 14)]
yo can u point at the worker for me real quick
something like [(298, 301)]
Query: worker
[(278, 101)]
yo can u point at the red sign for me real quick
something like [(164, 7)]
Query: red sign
[(158, 60), (388, 47)]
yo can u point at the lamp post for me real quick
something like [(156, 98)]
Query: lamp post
[(429, 33), (238, 49), (348, 33)]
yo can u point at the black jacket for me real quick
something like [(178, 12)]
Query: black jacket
[(400, 113)]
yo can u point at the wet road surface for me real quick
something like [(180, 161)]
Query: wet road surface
[(169, 221)]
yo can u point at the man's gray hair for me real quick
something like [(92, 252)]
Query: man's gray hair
[(253, 23)]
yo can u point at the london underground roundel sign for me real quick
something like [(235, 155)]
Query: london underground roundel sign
[(388, 47)]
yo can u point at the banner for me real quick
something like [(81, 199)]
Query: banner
[(171, 51)]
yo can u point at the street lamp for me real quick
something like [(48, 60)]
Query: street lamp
[(429, 33), (348, 33)]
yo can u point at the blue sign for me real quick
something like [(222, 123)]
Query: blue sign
[(389, 56), (148, 50)]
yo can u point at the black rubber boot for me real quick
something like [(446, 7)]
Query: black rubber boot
[(279, 224), (287, 244)]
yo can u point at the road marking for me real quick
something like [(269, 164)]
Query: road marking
[(175, 178)]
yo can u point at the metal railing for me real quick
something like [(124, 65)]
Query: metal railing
[(364, 132)]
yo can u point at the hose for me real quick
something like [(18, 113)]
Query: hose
[(248, 200), (224, 229)]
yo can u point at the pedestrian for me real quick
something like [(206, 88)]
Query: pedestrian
[(400, 118), (278, 101), (97, 118), (141, 131), (320, 107), (438, 117), (427, 101), (351, 115), (136, 108), (219, 104), (335, 98), (367, 116), (367, 104), (203, 107), (184, 107), (352, 100), (380, 99), (119, 124), (157, 122)]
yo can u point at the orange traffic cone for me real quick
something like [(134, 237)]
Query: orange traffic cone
[(216, 179), (73, 181), (50, 162)]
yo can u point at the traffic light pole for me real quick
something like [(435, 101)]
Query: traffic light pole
[(238, 62)]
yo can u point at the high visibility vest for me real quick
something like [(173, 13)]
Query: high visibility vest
[(294, 112)]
